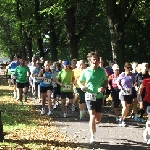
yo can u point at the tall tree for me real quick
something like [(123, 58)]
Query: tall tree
[(118, 12), (38, 19)]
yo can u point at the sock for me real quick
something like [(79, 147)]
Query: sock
[(15, 94), (93, 135), (142, 113), (139, 111), (25, 97), (81, 113)]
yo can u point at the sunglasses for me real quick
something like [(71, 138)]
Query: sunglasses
[(128, 67), (68, 66)]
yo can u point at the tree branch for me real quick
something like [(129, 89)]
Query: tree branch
[(130, 11)]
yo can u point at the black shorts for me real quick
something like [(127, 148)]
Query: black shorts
[(127, 98), (13, 81), (36, 86), (9, 76), (115, 97), (134, 92), (145, 105), (22, 85), (95, 105), (81, 95), (56, 91), (107, 92), (44, 89), (66, 95)]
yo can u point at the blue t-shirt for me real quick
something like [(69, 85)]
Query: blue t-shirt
[(36, 71), (110, 70), (13, 66)]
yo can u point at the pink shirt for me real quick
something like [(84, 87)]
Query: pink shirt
[(114, 79)]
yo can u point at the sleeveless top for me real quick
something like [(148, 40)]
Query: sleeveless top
[(46, 82)]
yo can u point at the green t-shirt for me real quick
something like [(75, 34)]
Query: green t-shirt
[(65, 77), (21, 73), (94, 78)]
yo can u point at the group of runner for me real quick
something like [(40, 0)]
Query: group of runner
[(85, 85)]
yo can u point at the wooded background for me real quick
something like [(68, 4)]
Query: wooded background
[(67, 29)]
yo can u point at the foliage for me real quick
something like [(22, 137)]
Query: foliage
[(19, 23)]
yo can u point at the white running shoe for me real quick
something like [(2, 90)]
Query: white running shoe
[(54, 106), (65, 115), (122, 123), (43, 111), (49, 113), (92, 139)]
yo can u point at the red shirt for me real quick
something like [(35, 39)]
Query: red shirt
[(114, 79), (146, 83)]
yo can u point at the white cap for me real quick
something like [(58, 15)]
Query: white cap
[(115, 67), (52, 67)]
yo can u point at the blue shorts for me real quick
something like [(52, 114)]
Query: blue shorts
[(56, 91)]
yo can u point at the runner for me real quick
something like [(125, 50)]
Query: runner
[(32, 67), (79, 95), (46, 87), (107, 91), (145, 84), (8, 74), (22, 78), (114, 89), (56, 88), (125, 82), (142, 74), (134, 92), (65, 79), (36, 82), (12, 68), (96, 82)]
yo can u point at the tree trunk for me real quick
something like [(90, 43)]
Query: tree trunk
[(53, 41), (117, 41), (73, 38), (40, 47), (118, 15), (24, 53), (29, 47), (39, 22)]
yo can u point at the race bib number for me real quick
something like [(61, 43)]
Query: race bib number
[(90, 96), (127, 91), (114, 80), (67, 87), (54, 84), (46, 81)]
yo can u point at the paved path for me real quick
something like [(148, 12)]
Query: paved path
[(109, 135)]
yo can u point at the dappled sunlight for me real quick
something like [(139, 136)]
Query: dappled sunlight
[(25, 128)]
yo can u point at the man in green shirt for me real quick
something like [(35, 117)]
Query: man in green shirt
[(22, 79), (65, 79), (95, 83)]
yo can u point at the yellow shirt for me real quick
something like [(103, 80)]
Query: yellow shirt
[(77, 73)]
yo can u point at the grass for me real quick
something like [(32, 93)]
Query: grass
[(25, 128)]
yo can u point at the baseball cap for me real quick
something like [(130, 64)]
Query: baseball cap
[(52, 67), (66, 62), (115, 67)]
